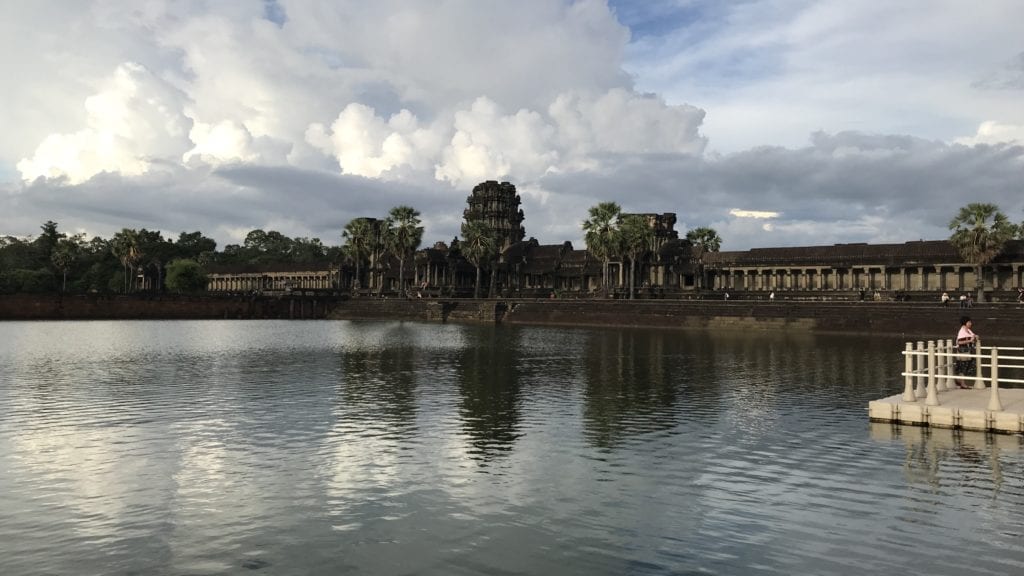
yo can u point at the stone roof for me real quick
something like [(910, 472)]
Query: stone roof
[(906, 254), (544, 258)]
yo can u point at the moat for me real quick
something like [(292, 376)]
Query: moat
[(210, 447)]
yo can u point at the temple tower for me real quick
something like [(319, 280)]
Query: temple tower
[(498, 206)]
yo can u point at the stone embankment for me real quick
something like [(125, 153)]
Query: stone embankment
[(161, 307), (913, 320)]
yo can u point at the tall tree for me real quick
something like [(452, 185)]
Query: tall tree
[(601, 235), (63, 256), (479, 245), (192, 244), (126, 247), (980, 231), (359, 237), (636, 238), (404, 237), (704, 239), (707, 239)]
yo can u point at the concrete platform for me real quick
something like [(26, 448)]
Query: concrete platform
[(964, 409)]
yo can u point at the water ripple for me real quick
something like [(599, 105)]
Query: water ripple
[(395, 448)]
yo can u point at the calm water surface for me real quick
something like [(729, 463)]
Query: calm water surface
[(401, 448)]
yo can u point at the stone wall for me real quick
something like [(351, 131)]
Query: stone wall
[(163, 307), (911, 320), (914, 321)]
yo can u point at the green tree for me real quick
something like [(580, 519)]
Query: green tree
[(707, 239), (192, 244), (704, 239), (304, 250), (636, 237), (479, 245), (601, 235), (980, 231), (125, 245), (63, 256), (185, 276), (47, 241), (404, 237), (360, 237)]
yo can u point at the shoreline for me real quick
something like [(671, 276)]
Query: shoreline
[(917, 320)]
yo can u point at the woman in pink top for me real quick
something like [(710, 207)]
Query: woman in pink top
[(966, 341)]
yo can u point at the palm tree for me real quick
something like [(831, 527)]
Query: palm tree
[(64, 254), (705, 240), (404, 237), (125, 246), (479, 245), (600, 235), (636, 239), (980, 231), (359, 237)]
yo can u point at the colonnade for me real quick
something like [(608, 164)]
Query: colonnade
[(950, 277), (248, 282)]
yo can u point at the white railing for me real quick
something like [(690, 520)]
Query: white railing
[(930, 367)]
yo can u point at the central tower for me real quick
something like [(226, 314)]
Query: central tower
[(498, 206)]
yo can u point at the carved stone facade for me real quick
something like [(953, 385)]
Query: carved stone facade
[(497, 204)]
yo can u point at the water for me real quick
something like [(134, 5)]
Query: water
[(247, 447)]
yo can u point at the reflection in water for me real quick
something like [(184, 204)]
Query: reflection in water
[(632, 383), (398, 448), (975, 456), (488, 376)]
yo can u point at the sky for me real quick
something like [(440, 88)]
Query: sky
[(775, 122)]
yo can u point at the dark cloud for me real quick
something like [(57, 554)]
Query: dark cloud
[(846, 187)]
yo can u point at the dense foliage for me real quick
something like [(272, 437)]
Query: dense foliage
[(135, 260)]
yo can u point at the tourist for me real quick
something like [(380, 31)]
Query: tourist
[(963, 300), (726, 295), (970, 300), (771, 296), (945, 298), (966, 345), (1020, 295)]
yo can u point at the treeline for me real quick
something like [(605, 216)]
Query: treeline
[(135, 260)]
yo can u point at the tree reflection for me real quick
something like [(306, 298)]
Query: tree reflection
[(631, 385), (489, 385), (379, 387)]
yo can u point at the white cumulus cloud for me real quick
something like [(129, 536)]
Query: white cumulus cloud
[(133, 119)]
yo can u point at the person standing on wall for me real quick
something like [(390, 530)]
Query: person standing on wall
[(966, 345)]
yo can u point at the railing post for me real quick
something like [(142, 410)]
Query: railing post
[(994, 405), (950, 350), (919, 371), (908, 369), (940, 365), (933, 396), (979, 384)]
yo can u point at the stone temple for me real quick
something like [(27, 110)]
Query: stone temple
[(669, 268)]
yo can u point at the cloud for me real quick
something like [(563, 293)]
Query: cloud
[(133, 119), (757, 214), (991, 132), (851, 122)]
